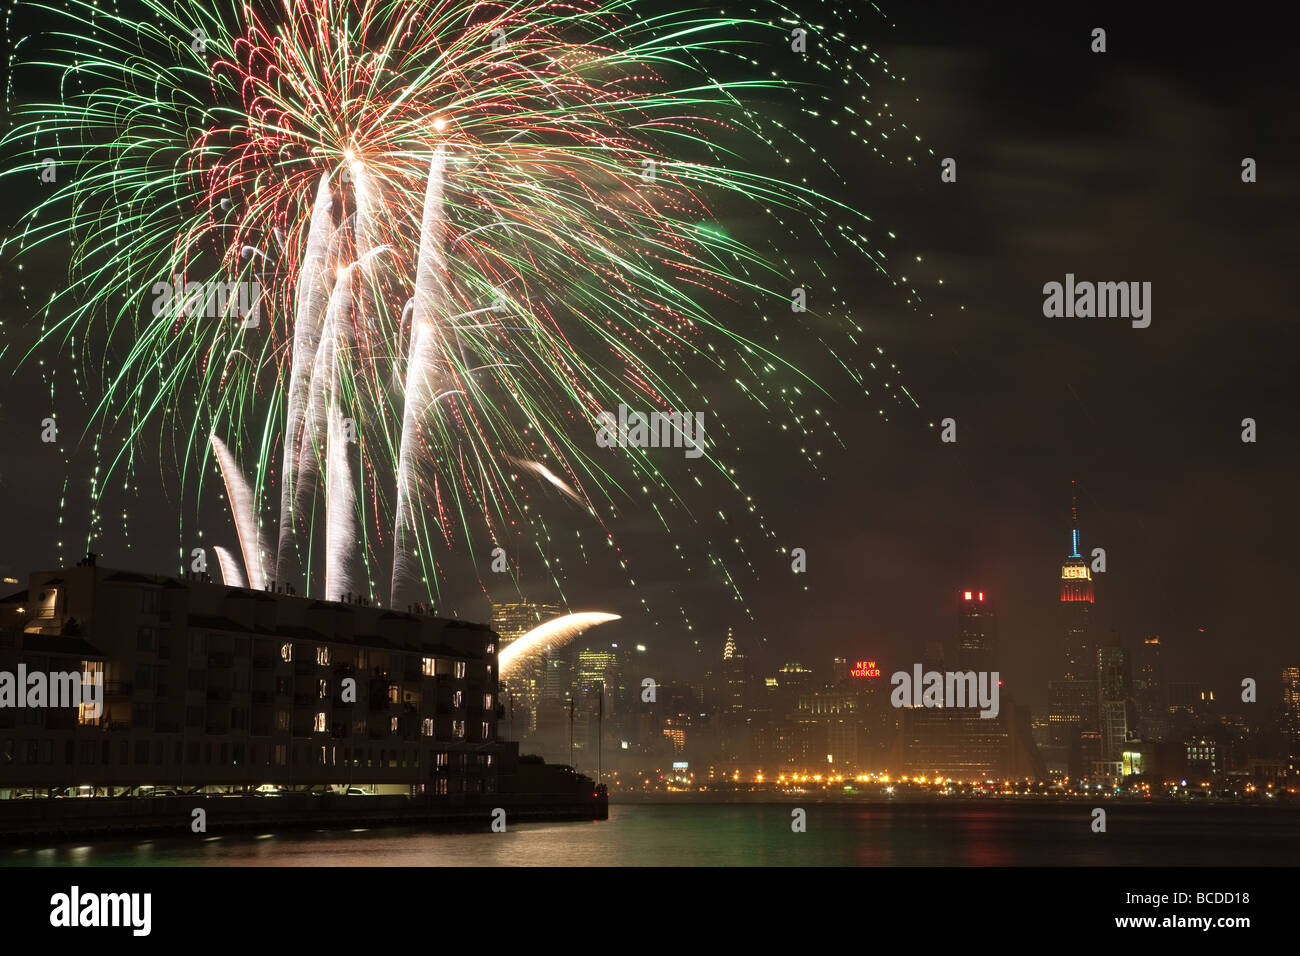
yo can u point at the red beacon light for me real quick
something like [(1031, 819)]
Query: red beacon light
[(966, 595)]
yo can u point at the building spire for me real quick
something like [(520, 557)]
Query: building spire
[(1074, 520)]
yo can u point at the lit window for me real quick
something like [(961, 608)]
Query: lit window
[(430, 666), (458, 728), (324, 687), (319, 724), (487, 701), (392, 725), (322, 655), (427, 727), (286, 651), (491, 648), (460, 669), (484, 735), (92, 672), (457, 698)]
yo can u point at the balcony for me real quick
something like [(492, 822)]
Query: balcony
[(263, 663), (221, 694), (221, 660)]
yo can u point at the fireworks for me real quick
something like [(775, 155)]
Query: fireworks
[(474, 227), (551, 635)]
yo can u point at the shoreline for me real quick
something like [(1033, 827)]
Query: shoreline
[(28, 820)]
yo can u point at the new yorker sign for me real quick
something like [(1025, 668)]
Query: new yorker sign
[(864, 669)]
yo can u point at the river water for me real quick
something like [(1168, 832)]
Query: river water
[(691, 834)]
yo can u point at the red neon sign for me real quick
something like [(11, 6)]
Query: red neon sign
[(865, 669)]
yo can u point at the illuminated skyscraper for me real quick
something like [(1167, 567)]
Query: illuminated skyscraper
[(976, 633), (1076, 606), (513, 621), (735, 687), (603, 670), (1149, 691), (1074, 714), (524, 689), (1114, 692), (1291, 710)]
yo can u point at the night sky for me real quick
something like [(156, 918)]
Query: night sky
[(1122, 166)]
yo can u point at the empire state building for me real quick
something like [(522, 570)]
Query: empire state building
[(1076, 608), (1074, 741)]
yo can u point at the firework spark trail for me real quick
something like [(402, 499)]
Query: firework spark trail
[(537, 468), (313, 288), (422, 357), (340, 498), (230, 573), (555, 634), (242, 509)]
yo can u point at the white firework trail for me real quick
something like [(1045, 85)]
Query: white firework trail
[(340, 499), (541, 471), (230, 573), (243, 508), (429, 301), (313, 291), (553, 634)]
